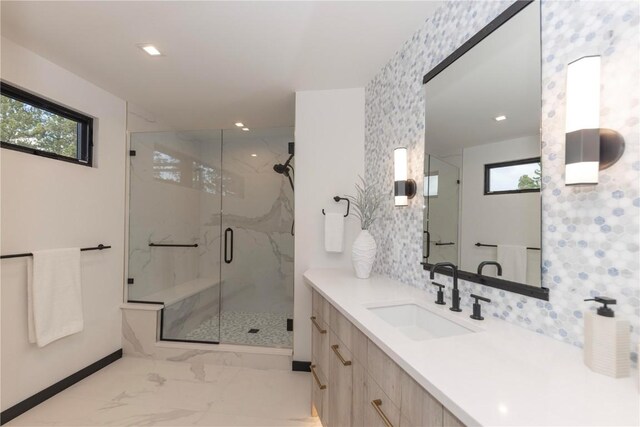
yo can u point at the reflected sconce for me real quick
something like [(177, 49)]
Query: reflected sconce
[(588, 148), (403, 188)]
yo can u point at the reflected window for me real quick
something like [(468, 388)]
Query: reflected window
[(178, 168), (431, 185), (518, 176), (233, 185), (205, 178), (166, 167)]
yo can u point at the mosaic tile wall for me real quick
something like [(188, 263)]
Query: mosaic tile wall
[(590, 235)]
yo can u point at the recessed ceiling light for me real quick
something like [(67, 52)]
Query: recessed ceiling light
[(500, 118), (150, 49), (245, 129), (254, 155), (239, 124)]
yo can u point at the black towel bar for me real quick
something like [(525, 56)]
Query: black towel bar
[(337, 199), (495, 246), (96, 248)]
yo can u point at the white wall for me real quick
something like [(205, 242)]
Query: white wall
[(329, 158), (141, 120), (518, 214), (51, 204)]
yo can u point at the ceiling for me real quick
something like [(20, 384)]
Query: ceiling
[(223, 61), (498, 76)]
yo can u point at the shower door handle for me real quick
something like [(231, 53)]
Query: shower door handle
[(428, 250), (228, 241)]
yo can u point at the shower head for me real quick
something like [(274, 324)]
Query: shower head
[(280, 168), (284, 168)]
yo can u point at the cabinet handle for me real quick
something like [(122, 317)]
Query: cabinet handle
[(315, 323), (377, 403), (315, 377), (335, 350)]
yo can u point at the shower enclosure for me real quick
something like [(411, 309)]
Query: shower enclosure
[(211, 233)]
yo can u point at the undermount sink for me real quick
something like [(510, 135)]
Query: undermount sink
[(418, 323)]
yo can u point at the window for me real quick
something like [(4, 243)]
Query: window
[(518, 176), (37, 126), (431, 184)]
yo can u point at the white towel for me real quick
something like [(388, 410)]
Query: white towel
[(333, 232), (513, 260), (54, 295)]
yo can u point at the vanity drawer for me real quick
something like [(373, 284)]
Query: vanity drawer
[(340, 383), (316, 303), (450, 420), (385, 372), (320, 346), (341, 326), (379, 410), (319, 396), (319, 306), (359, 343), (359, 398), (418, 407)]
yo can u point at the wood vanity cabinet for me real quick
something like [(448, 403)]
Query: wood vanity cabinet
[(356, 384), (319, 360), (450, 420), (340, 383)]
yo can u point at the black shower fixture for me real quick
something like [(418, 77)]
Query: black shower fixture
[(284, 168)]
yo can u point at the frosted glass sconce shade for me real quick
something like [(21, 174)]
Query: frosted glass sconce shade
[(588, 148), (403, 188)]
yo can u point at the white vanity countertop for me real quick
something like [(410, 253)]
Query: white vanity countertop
[(503, 375)]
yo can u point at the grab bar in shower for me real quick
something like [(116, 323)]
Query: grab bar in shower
[(171, 245), (96, 248), (495, 246)]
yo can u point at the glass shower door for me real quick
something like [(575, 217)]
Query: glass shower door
[(174, 230), (257, 238)]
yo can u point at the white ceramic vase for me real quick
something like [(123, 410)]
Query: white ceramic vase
[(363, 254)]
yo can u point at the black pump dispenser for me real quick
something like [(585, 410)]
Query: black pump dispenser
[(604, 311)]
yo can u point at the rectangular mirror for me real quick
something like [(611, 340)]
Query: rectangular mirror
[(482, 171)]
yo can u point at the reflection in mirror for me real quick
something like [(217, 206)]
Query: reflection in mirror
[(482, 155), (441, 199)]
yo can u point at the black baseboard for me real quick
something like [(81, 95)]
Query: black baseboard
[(301, 366), (33, 401)]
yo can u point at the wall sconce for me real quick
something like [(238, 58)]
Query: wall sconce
[(403, 188), (588, 148)]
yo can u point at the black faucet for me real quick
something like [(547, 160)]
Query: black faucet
[(483, 263), (455, 294)]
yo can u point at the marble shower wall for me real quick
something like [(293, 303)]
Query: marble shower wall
[(590, 235), (259, 210)]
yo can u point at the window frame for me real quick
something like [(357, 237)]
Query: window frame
[(85, 126), (487, 175)]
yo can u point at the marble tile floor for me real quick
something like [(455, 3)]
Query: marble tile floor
[(143, 392), (272, 329)]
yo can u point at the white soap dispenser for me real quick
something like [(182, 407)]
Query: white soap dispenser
[(606, 341)]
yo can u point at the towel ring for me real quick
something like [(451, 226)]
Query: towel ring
[(338, 199)]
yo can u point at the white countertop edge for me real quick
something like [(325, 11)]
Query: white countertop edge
[(538, 416)]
